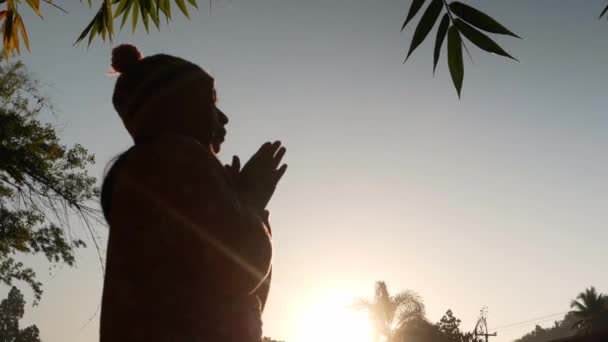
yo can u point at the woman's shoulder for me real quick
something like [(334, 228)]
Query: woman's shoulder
[(170, 167), (169, 161), (172, 149)]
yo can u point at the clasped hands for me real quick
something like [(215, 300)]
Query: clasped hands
[(257, 180)]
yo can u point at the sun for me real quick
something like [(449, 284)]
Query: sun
[(330, 319)]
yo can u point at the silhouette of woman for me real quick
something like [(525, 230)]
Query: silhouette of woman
[(189, 250)]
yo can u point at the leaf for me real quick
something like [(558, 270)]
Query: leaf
[(85, 32), (441, 33), (425, 25), (479, 19), (2, 14), (165, 7), (604, 12), (94, 30), (7, 33), (182, 6), (414, 8), (153, 10), (144, 14), (125, 14), (193, 3), (135, 15), (455, 62), (15, 35), (26, 40), (122, 6), (109, 20), (481, 40), (35, 5)]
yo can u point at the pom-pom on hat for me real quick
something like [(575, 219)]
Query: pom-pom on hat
[(125, 57)]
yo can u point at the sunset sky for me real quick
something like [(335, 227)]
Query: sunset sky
[(498, 200)]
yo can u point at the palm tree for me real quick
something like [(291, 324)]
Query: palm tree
[(591, 311), (390, 314)]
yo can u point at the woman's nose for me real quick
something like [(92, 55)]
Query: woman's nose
[(223, 118)]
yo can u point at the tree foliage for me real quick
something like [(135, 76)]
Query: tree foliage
[(590, 315), (460, 20), (150, 11), (266, 339), (43, 184), (590, 311), (11, 311), (560, 329)]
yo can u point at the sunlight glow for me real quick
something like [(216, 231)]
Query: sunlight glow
[(330, 319)]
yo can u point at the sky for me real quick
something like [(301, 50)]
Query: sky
[(496, 200)]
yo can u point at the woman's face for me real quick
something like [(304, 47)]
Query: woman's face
[(219, 121)]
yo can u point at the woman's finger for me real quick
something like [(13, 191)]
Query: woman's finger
[(279, 173), (236, 165), (278, 157)]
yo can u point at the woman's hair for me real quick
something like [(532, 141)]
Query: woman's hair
[(139, 81), (108, 182)]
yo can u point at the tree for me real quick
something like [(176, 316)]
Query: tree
[(560, 329), (418, 330), (43, 184), (266, 339), (390, 314), (11, 311), (449, 329), (449, 326), (590, 310)]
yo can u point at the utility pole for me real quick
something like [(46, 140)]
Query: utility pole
[(481, 328)]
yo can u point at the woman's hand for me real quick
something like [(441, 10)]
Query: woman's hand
[(258, 179)]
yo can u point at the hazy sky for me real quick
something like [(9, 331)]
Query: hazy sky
[(497, 200)]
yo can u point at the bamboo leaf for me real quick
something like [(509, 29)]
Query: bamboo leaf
[(165, 7), (135, 15), (143, 7), (7, 33), (153, 11), (479, 19), (193, 3), (109, 20), (94, 31), (5, 41), (481, 40), (441, 33), (15, 36), (182, 6), (455, 62), (122, 6), (26, 40), (35, 5), (604, 11), (414, 8), (425, 25), (85, 32), (125, 14)]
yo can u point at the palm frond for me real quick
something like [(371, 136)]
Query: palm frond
[(575, 304), (361, 304)]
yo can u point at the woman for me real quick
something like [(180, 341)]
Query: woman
[(189, 249)]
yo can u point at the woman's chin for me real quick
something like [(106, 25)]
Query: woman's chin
[(216, 147)]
